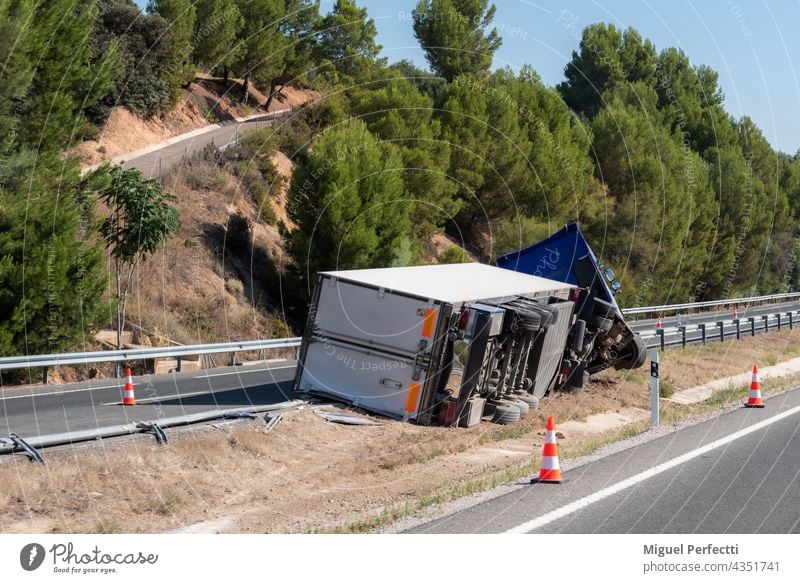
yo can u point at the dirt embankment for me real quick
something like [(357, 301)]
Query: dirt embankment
[(307, 474)]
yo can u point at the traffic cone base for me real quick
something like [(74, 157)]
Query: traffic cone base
[(754, 398), (128, 397), (549, 469)]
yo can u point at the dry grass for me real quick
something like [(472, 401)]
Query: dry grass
[(309, 475)]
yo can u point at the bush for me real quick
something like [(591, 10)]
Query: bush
[(454, 254), (267, 213), (239, 234)]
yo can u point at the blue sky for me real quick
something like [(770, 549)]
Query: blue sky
[(753, 45)]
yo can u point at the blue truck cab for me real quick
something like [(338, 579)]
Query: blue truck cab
[(600, 337)]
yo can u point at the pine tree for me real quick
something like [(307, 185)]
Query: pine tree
[(261, 45), (347, 39), (454, 36), (216, 29), (607, 57), (398, 113), (180, 15), (349, 203), (51, 278)]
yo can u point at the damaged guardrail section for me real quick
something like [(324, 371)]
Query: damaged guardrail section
[(30, 446)]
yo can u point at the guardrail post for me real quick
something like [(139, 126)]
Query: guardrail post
[(765, 317), (702, 327), (738, 323), (233, 359), (44, 375), (791, 320), (178, 364), (721, 331), (683, 335), (654, 391), (660, 334), (752, 326)]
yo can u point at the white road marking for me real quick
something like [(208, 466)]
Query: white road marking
[(119, 386), (34, 395), (237, 372), (148, 399), (641, 477)]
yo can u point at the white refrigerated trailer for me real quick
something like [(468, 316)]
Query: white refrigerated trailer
[(439, 344)]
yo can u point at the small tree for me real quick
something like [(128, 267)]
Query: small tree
[(141, 221)]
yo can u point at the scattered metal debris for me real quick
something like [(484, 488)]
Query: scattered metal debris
[(239, 415), (271, 420), (26, 447), (346, 419), (155, 429)]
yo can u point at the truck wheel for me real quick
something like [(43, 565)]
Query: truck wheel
[(505, 414), (637, 356), (533, 402), (604, 309), (530, 321), (521, 405), (601, 323)]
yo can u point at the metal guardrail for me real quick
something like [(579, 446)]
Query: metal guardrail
[(712, 304), (15, 444), (705, 332), (78, 358), (83, 358)]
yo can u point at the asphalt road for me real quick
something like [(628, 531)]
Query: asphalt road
[(50, 409), (710, 317), (672, 336), (156, 163), (750, 484)]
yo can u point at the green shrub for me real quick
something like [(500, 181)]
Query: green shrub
[(239, 234), (454, 254)]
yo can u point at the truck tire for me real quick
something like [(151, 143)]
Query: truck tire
[(529, 321), (521, 405), (533, 402), (604, 309), (637, 356), (573, 389), (505, 414), (602, 324)]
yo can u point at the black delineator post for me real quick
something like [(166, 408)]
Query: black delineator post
[(765, 317), (721, 326), (752, 326), (738, 323), (683, 335), (702, 327)]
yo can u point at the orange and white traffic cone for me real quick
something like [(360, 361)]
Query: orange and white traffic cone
[(127, 392), (549, 470), (658, 323), (755, 391)]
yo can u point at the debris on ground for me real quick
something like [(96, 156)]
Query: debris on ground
[(346, 419)]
